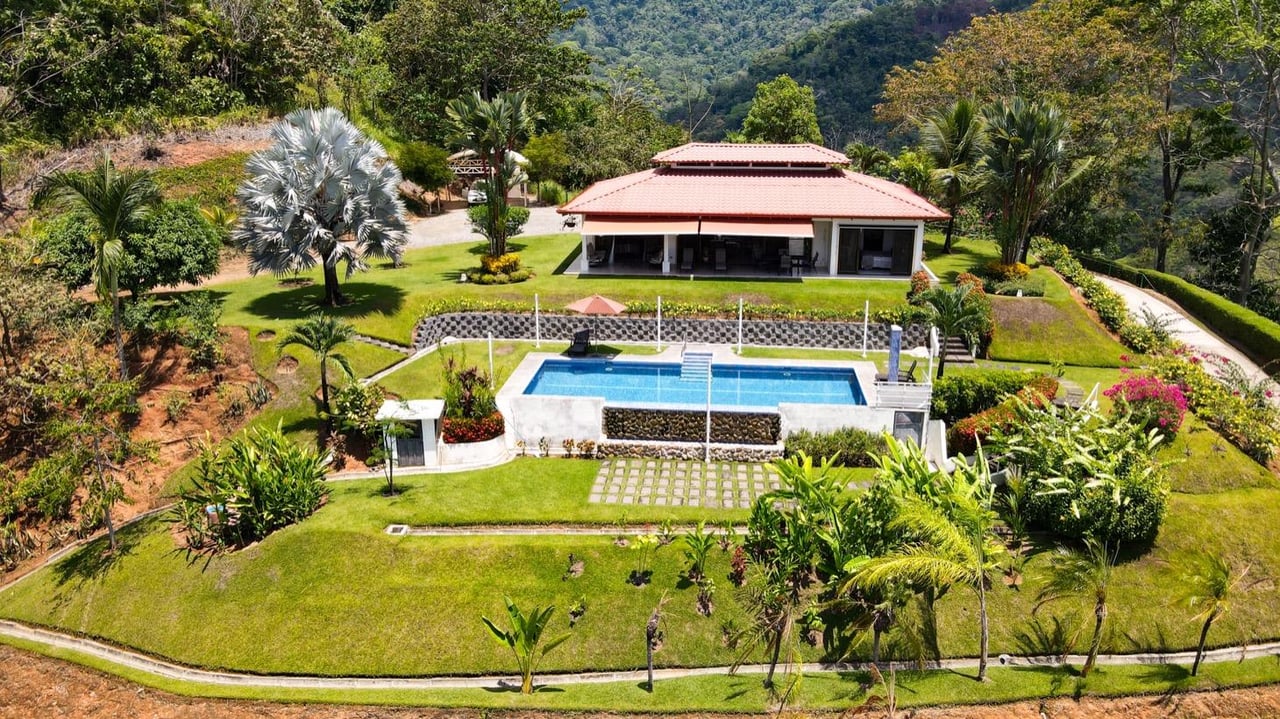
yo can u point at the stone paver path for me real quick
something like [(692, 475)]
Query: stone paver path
[(681, 483)]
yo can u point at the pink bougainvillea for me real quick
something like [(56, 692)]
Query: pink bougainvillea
[(1152, 402)]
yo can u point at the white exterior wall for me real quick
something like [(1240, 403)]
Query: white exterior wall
[(822, 244), (831, 417), (532, 417)]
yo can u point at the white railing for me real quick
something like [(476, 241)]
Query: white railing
[(903, 395)]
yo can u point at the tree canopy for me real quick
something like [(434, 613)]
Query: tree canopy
[(783, 111)]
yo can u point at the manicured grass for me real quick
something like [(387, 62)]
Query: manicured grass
[(387, 302), (743, 693), (334, 592), (966, 253), (524, 491), (1201, 461)]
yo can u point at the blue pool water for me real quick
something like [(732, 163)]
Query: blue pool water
[(738, 386)]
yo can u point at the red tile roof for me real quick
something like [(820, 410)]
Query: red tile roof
[(726, 153), (681, 192)]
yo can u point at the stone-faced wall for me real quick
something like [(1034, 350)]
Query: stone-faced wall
[(686, 450), (674, 425), (622, 328)]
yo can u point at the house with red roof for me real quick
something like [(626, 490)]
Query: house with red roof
[(751, 210)]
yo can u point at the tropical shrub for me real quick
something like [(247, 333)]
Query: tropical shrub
[(1150, 403), (962, 395), (507, 263), (355, 408), (1001, 272), (1086, 475), (248, 488), (920, 283), (901, 315), (467, 392), (964, 436), (977, 296), (550, 192), (848, 446), (460, 430)]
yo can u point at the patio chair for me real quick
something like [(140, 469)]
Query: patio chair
[(722, 263), (686, 259), (908, 376), (581, 343)]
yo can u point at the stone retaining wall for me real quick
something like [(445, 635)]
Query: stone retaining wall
[(674, 425), (622, 328)]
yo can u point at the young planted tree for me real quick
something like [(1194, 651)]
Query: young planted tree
[(322, 334), (1208, 585), (955, 543), (492, 129), (1075, 572), (525, 638), (324, 194), (1025, 169), (953, 137), (954, 316), (113, 202)]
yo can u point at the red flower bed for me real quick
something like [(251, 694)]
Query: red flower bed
[(462, 431), (964, 436)]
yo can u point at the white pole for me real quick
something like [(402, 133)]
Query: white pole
[(739, 325), (707, 457), (537, 323), (866, 317), (659, 323), (491, 377)]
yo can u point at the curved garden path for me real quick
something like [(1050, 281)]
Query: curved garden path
[(135, 661)]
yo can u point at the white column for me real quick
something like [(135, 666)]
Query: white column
[(588, 241), (835, 249), (916, 264), (668, 252)]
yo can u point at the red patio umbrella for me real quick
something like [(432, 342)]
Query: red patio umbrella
[(597, 305)]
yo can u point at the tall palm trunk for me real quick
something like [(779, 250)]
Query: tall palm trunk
[(1099, 617), (333, 296), (942, 355), (102, 487), (324, 387), (951, 224), (773, 658), (118, 328)]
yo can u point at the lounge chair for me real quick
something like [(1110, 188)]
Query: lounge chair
[(722, 262), (908, 376), (581, 344), (686, 259)]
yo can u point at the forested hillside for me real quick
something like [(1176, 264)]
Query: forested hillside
[(845, 63), (683, 42)]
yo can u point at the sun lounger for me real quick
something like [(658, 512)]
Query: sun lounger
[(581, 344)]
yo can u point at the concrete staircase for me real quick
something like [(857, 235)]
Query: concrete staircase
[(957, 352), (695, 366)]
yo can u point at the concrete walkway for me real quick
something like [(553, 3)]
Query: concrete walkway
[(123, 659), (454, 227), (1184, 329)]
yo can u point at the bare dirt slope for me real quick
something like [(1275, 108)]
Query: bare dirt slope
[(34, 686)]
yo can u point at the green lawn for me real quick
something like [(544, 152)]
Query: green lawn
[(334, 592), (387, 302)]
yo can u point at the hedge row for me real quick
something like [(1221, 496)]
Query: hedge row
[(1109, 305), (675, 425), (1256, 335)]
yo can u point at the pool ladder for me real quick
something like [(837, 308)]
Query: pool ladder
[(695, 366)]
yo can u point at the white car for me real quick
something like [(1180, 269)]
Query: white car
[(476, 196)]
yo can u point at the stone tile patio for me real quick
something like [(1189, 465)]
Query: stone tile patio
[(681, 483)]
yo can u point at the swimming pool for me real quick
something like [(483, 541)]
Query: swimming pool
[(659, 384)]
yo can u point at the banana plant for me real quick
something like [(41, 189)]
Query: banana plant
[(525, 638)]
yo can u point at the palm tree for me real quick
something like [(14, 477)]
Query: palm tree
[(492, 129), (955, 545), (868, 159), (322, 335), (323, 193), (954, 137), (1209, 582), (1081, 573), (114, 201), (954, 316), (1025, 163), (525, 639)]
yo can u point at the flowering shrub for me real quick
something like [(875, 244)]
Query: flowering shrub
[(506, 264), (902, 315), (467, 394), (920, 283), (1151, 403), (965, 435), (978, 296), (957, 396), (1248, 425), (459, 430), (1000, 272)]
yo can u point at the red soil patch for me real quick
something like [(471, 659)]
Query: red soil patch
[(287, 365)]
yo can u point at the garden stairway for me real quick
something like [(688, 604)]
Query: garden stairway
[(957, 352)]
